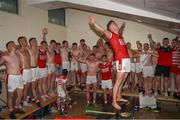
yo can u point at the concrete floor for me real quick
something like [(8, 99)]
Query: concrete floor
[(168, 110)]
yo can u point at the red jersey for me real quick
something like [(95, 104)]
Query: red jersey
[(105, 69), (42, 56), (119, 47), (165, 56), (57, 57)]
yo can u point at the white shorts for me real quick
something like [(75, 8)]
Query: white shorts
[(43, 72), (65, 65), (91, 79), (148, 71), (35, 74), (60, 91), (124, 67), (133, 67), (27, 76), (14, 81), (106, 84), (138, 67), (83, 67), (74, 66), (51, 68)]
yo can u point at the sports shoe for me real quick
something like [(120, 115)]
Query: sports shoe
[(155, 94), (12, 115), (38, 103), (169, 93), (54, 110), (166, 94), (17, 110), (88, 105), (94, 104), (25, 103), (43, 98), (46, 96)]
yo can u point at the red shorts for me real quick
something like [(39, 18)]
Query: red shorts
[(173, 69)]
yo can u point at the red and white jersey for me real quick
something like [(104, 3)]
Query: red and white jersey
[(61, 79), (119, 46), (106, 69), (176, 57)]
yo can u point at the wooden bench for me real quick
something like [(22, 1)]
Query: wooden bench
[(29, 109), (133, 94)]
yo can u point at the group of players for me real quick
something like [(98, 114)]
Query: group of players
[(108, 65)]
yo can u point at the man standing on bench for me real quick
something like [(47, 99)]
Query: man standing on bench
[(114, 34), (14, 79)]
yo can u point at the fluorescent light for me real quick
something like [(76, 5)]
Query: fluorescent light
[(139, 20), (176, 29)]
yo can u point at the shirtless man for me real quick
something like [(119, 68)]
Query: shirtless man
[(51, 67), (138, 66), (33, 50), (91, 79), (26, 66), (154, 61), (83, 56), (64, 54), (82, 43), (131, 77), (108, 52), (100, 44), (42, 60), (14, 79), (98, 54), (114, 34), (74, 66)]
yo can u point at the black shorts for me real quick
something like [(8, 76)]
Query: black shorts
[(162, 70)]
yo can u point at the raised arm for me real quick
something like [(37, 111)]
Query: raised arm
[(44, 32), (92, 22), (121, 30), (139, 45), (152, 42)]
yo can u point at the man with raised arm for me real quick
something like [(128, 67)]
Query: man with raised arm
[(114, 34), (74, 66), (14, 79), (92, 67), (164, 63)]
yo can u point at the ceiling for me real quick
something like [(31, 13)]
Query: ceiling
[(170, 8), (159, 14)]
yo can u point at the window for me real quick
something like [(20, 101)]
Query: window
[(9, 6), (57, 16)]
